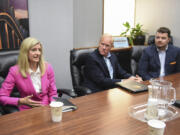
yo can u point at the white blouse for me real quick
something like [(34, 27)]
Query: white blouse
[(36, 79)]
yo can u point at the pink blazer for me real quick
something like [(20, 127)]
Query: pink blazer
[(25, 87)]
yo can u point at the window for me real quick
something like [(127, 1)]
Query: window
[(117, 12)]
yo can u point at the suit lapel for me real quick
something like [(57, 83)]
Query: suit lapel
[(156, 57), (43, 83), (102, 63), (104, 66), (168, 58)]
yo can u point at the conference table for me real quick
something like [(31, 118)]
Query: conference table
[(101, 113)]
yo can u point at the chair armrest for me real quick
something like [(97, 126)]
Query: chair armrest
[(10, 109), (69, 92), (81, 90), (1, 80), (1, 111)]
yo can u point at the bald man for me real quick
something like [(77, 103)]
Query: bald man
[(102, 68)]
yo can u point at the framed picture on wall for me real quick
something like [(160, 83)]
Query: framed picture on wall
[(120, 42), (14, 23)]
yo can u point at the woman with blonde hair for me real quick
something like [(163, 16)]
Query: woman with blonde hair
[(32, 76)]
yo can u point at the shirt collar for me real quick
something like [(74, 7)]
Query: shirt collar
[(36, 72), (108, 56), (163, 50)]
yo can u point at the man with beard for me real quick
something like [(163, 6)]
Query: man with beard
[(160, 59)]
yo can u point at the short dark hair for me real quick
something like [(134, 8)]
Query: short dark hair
[(164, 30)]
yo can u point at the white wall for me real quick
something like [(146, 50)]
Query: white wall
[(62, 25), (156, 13), (51, 21), (87, 22)]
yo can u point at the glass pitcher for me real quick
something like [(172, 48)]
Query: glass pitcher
[(164, 93)]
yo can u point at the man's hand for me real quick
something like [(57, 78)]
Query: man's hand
[(138, 78), (28, 101), (135, 78)]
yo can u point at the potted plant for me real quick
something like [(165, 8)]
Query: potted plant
[(136, 35)]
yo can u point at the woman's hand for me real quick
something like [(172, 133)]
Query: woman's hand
[(28, 101)]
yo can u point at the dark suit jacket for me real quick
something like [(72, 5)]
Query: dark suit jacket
[(149, 64), (96, 73)]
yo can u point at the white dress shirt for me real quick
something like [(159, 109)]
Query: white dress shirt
[(36, 79), (162, 57)]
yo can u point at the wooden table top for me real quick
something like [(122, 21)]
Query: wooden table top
[(102, 113)]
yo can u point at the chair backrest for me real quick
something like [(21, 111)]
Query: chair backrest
[(136, 53), (8, 58), (124, 58), (151, 40), (77, 63)]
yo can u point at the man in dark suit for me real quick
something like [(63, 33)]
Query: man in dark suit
[(160, 59), (102, 69)]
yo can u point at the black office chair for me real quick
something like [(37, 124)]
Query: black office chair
[(77, 63), (1, 109), (8, 59), (136, 53), (151, 40)]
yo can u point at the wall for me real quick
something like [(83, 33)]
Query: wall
[(51, 21), (62, 25), (156, 13), (87, 22)]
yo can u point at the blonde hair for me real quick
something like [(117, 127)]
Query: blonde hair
[(23, 61)]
